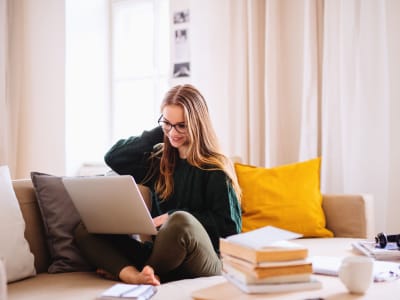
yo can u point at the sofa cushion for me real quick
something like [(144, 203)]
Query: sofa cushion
[(14, 248), (60, 218), (287, 197)]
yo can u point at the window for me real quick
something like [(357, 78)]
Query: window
[(140, 63)]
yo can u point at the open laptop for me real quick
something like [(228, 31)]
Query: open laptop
[(110, 204)]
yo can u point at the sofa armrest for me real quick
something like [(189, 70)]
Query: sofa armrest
[(349, 215)]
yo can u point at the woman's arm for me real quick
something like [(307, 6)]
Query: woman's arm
[(130, 156), (222, 216)]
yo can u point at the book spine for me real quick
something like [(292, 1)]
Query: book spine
[(226, 247), (264, 264), (257, 256), (272, 271)]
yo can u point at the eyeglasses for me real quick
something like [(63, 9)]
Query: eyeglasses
[(167, 126)]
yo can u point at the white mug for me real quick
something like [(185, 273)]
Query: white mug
[(357, 273), (3, 280)]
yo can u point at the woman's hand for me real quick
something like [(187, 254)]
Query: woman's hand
[(160, 220)]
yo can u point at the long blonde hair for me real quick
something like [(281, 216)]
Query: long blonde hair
[(203, 150)]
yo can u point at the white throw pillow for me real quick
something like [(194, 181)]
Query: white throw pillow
[(14, 248)]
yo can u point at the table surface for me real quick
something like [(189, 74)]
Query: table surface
[(332, 287)]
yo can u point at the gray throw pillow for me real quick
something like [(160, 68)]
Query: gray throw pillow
[(60, 218)]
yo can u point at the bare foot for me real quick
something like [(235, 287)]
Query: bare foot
[(131, 275)]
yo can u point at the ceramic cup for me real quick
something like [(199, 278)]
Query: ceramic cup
[(3, 280), (356, 273)]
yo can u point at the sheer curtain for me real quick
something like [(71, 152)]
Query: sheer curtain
[(359, 102), (246, 80), (292, 71), (3, 86), (312, 78), (273, 73), (264, 90), (10, 81)]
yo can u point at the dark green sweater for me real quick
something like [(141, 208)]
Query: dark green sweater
[(208, 195)]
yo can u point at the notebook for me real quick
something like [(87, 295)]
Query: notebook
[(110, 204)]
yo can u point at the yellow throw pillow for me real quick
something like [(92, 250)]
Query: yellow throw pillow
[(287, 197)]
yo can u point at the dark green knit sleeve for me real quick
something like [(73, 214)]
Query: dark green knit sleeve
[(222, 217), (130, 156)]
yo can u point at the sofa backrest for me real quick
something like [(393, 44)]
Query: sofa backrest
[(346, 216)]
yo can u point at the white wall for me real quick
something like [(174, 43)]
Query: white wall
[(42, 109), (209, 42)]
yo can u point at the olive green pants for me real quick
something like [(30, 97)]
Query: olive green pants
[(181, 249)]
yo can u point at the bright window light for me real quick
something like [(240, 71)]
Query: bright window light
[(140, 62)]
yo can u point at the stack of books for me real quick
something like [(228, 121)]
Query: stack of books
[(281, 266)]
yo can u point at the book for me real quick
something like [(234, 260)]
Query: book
[(273, 287), (263, 264), (390, 252), (276, 251), (265, 272), (246, 278), (129, 291)]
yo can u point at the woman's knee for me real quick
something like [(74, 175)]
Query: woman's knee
[(183, 227)]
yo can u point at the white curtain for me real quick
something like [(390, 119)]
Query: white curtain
[(292, 71), (311, 78), (3, 87), (246, 80), (273, 70), (359, 134), (11, 91)]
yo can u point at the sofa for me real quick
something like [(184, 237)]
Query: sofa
[(349, 217)]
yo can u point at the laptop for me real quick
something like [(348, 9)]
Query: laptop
[(110, 204)]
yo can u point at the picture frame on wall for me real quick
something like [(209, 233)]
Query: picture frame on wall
[(180, 62), (181, 70), (181, 16)]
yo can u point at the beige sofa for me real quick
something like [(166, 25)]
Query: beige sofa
[(347, 216)]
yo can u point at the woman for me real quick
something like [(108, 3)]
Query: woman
[(195, 197)]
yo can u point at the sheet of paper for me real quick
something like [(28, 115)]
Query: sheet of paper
[(329, 265), (133, 291), (118, 290), (263, 237)]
